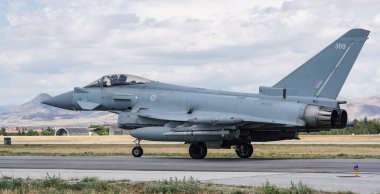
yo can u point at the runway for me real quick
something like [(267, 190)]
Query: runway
[(170, 143), (186, 164), (326, 174)]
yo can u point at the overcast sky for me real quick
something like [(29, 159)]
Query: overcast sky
[(53, 46)]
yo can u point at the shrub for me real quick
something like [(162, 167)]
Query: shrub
[(173, 186), (268, 188), (299, 188), (8, 183), (49, 182)]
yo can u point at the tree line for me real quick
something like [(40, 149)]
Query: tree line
[(360, 127), (25, 132), (98, 129)]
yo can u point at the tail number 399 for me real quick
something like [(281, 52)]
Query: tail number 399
[(340, 46)]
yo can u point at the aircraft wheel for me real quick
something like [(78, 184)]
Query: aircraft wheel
[(198, 150), (244, 150), (137, 151)]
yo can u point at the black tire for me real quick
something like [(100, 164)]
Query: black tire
[(137, 151), (198, 150), (244, 150)]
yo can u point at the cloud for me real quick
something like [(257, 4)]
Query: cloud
[(52, 46)]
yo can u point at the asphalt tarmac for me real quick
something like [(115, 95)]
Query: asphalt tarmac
[(187, 164), (156, 142), (323, 174)]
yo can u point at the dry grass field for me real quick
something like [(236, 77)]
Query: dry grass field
[(43, 139), (181, 150), (337, 138), (127, 138), (109, 147)]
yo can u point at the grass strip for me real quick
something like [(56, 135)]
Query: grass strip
[(261, 151), (55, 184)]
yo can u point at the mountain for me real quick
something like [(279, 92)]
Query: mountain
[(35, 114), (364, 107), (4, 108)]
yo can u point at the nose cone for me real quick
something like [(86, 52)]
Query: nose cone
[(61, 101)]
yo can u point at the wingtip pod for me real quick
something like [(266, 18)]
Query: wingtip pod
[(357, 32)]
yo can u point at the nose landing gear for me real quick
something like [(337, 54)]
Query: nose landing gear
[(137, 151)]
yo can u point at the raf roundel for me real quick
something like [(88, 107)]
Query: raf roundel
[(153, 98)]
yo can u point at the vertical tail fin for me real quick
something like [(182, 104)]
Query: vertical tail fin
[(325, 73)]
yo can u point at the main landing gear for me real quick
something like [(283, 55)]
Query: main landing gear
[(198, 150), (137, 151), (244, 150)]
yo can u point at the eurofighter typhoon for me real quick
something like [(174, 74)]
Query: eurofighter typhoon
[(303, 101)]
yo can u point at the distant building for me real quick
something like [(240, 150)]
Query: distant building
[(117, 131), (17, 131), (77, 131)]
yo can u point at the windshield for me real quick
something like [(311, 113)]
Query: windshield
[(117, 80)]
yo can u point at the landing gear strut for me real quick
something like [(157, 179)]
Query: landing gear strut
[(137, 151), (244, 150), (198, 150)]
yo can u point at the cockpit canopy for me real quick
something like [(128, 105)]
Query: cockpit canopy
[(117, 80)]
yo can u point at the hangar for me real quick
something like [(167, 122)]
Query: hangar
[(73, 131)]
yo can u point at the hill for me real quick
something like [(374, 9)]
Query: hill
[(364, 107), (35, 114)]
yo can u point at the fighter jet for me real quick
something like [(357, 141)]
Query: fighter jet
[(303, 101)]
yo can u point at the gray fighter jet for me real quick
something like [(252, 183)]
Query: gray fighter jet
[(303, 101)]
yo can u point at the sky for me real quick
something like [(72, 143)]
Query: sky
[(54, 46)]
